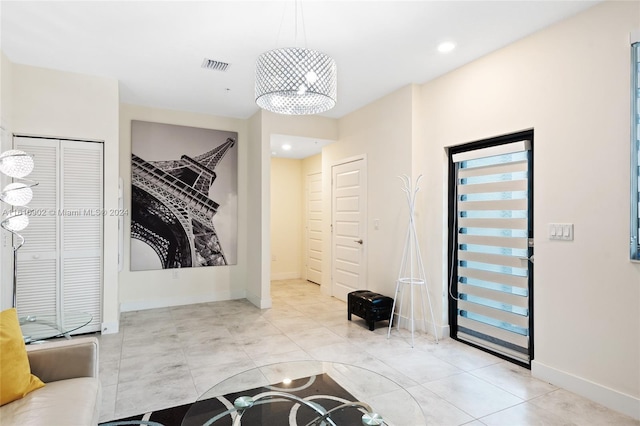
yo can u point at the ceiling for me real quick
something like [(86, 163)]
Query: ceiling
[(155, 49)]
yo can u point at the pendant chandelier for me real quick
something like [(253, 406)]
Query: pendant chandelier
[(296, 81)]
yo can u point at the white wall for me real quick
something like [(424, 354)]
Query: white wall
[(570, 83), (67, 105), (159, 288), (286, 218)]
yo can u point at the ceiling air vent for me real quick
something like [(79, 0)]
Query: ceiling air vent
[(211, 64)]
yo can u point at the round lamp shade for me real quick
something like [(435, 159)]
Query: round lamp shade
[(16, 163), (15, 222), (17, 194), (296, 81)]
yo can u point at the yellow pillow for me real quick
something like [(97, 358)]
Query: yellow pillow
[(16, 379)]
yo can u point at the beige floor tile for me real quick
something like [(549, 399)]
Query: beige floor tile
[(525, 414), (436, 410), (207, 375), (267, 358), (472, 395), (462, 356), (421, 366), (261, 345), (313, 337), (514, 379), (581, 411), (108, 406), (171, 356), (347, 353)]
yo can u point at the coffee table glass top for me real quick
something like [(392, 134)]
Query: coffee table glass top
[(42, 326), (306, 393)]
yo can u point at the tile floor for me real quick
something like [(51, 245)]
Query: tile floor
[(169, 356)]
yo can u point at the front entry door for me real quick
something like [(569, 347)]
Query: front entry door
[(491, 294), (348, 225)]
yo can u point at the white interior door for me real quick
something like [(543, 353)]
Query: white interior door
[(81, 229), (38, 260), (313, 260), (349, 189)]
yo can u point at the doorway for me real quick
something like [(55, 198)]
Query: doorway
[(491, 248)]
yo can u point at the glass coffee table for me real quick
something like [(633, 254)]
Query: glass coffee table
[(43, 326), (306, 393)]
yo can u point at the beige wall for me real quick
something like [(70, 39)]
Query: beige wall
[(570, 83), (258, 215), (286, 218), (149, 289), (67, 105), (381, 132)]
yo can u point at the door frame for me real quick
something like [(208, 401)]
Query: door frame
[(453, 237), (363, 266)]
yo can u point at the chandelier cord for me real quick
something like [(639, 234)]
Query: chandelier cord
[(304, 27), (295, 29)]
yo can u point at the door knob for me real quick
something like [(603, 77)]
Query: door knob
[(359, 241)]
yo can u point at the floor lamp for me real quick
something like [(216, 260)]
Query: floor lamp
[(16, 164)]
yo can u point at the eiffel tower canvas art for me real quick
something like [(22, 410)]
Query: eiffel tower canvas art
[(183, 196)]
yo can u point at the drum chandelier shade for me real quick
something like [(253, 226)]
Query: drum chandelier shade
[(16, 163), (296, 81)]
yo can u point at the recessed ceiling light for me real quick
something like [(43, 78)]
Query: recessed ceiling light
[(446, 46), (286, 147)]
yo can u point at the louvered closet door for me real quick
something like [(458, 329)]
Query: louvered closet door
[(494, 227), (38, 258), (81, 229), (60, 264)]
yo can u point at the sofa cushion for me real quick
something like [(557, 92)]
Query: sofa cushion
[(16, 379), (66, 402)]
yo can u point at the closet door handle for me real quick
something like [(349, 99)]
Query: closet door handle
[(358, 241)]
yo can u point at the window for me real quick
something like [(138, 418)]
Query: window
[(635, 152)]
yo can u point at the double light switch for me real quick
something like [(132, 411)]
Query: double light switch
[(561, 231)]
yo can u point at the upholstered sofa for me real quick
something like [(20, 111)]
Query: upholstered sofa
[(71, 395)]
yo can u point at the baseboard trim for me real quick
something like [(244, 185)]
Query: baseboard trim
[(141, 305), (109, 327), (285, 276), (264, 303), (610, 398)]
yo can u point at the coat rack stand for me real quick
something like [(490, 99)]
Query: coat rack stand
[(411, 276)]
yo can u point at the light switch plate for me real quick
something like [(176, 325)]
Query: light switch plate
[(561, 231)]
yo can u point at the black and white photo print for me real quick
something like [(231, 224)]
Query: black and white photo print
[(184, 196)]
